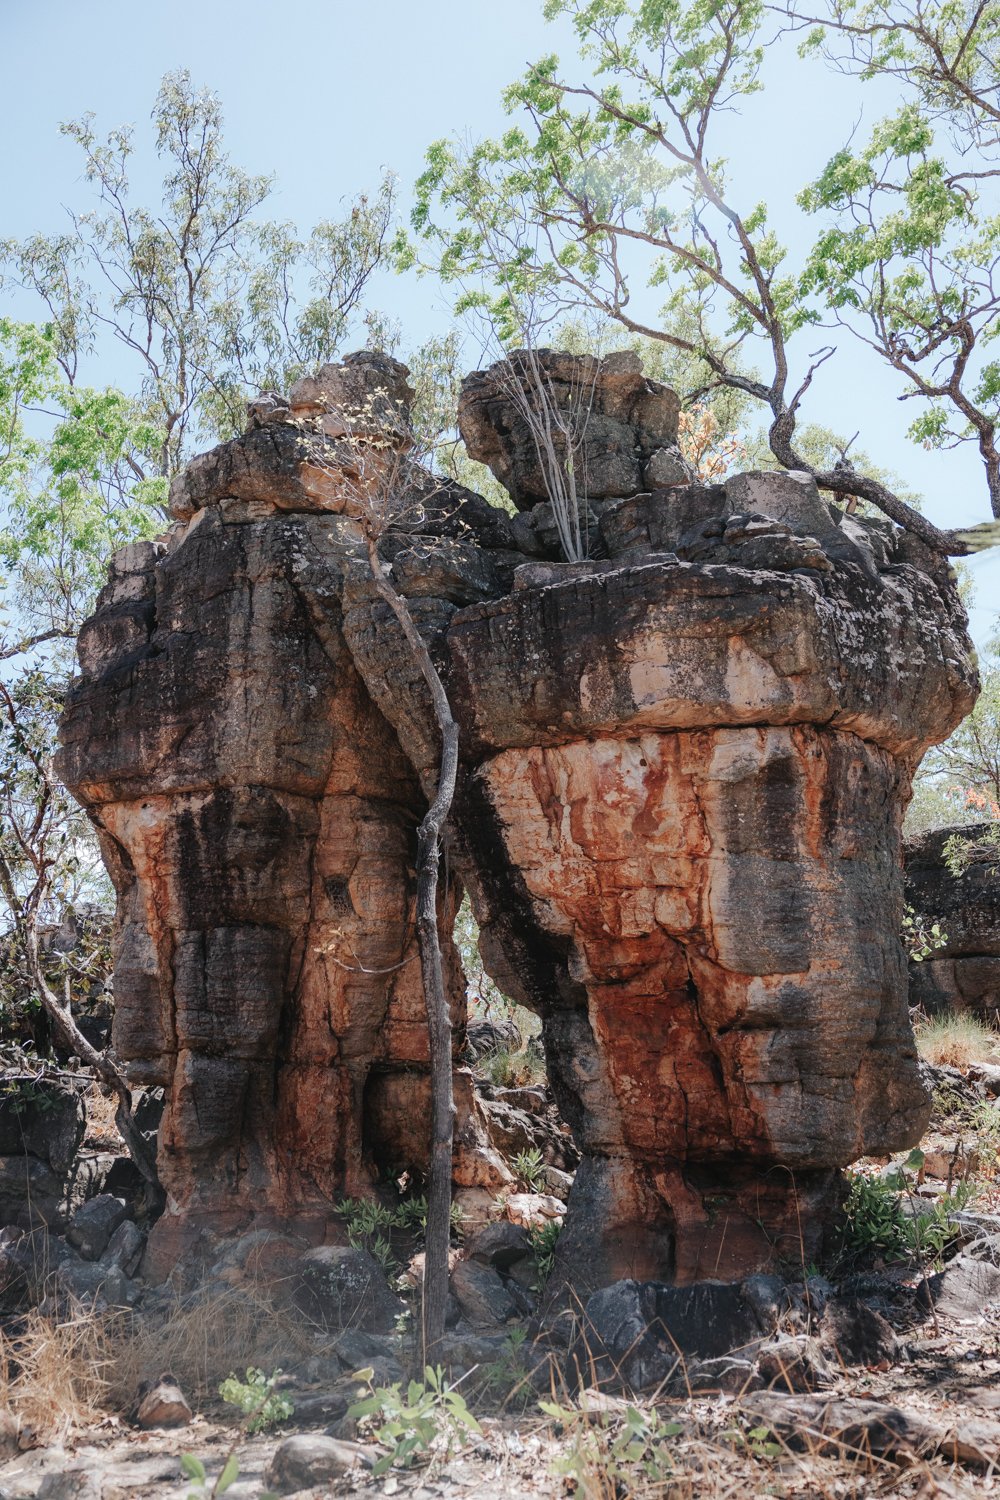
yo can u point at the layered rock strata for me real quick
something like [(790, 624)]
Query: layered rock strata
[(963, 974), (684, 768), (257, 815)]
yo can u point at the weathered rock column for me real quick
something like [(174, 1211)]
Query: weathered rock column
[(258, 816), (687, 768)]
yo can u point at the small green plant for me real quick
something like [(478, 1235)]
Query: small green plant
[(193, 1469), (530, 1168), (962, 850), (610, 1454), (262, 1406), (543, 1243), (508, 1371), (875, 1220), (369, 1224), (760, 1441), (921, 936), (431, 1415), (877, 1223)]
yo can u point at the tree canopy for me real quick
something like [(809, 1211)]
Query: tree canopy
[(609, 190)]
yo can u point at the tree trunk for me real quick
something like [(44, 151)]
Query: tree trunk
[(107, 1071), (429, 836)]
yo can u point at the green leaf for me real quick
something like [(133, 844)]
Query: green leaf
[(229, 1475), (192, 1467)]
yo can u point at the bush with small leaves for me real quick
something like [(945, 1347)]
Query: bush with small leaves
[(431, 1415), (261, 1405)]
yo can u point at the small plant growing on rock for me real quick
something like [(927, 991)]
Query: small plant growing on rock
[(921, 936), (262, 1406), (530, 1168), (543, 1243)]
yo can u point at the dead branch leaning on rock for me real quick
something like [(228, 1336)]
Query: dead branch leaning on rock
[(378, 471)]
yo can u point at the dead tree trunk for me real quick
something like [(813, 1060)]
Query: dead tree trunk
[(429, 838)]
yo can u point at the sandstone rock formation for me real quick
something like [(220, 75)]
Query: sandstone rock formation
[(684, 767), (963, 974)]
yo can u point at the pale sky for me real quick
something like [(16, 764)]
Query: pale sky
[(325, 94)]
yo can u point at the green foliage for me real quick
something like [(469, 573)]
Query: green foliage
[(875, 1220), (210, 301), (193, 1468), (261, 1405), (529, 1167), (611, 1454), (431, 1415), (544, 1238), (70, 496), (921, 936), (371, 1223), (877, 1224), (963, 850), (614, 173)]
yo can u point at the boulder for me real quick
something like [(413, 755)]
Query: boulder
[(308, 1460), (164, 1405), (481, 1294), (641, 1332), (630, 420), (43, 1118), (94, 1223), (339, 1286)]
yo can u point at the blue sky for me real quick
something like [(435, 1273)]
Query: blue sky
[(324, 94)]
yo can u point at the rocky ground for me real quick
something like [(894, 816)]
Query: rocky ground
[(877, 1373)]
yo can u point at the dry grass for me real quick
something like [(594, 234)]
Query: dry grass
[(102, 1132), (201, 1340), (55, 1375), (61, 1374), (956, 1041)]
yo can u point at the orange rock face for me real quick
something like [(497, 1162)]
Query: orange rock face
[(685, 764)]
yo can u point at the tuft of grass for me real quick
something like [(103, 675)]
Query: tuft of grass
[(957, 1041), (56, 1374), (62, 1374)]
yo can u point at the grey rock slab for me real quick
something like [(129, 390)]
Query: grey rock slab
[(94, 1223), (340, 1287), (795, 1364), (305, 1460), (482, 1296), (125, 1247), (855, 1334), (966, 1288), (499, 1245), (640, 1331)]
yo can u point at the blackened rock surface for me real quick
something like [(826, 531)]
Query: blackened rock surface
[(639, 1332), (964, 973), (41, 1118), (342, 1287), (94, 1223)]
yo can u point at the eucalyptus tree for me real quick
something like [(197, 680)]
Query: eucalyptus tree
[(203, 298), (611, 180)]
